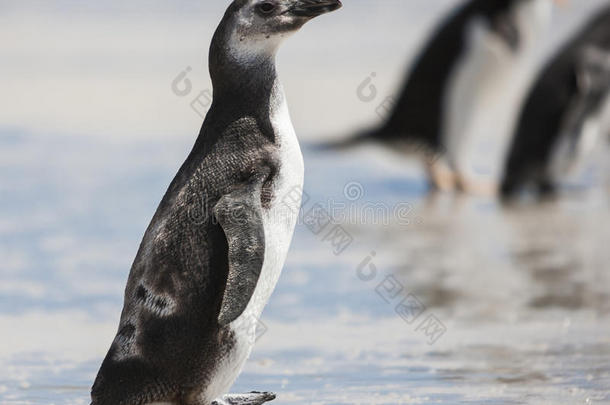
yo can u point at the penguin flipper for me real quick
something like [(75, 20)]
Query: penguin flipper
[(239, 213), (591, 77), (593, 70)]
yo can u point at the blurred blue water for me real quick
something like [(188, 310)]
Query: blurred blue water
[(526, 311)]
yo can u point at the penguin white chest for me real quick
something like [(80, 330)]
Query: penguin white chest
[(280, 218)]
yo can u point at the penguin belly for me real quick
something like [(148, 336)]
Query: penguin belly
[(481, 103)]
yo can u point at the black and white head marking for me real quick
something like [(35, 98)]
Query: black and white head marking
[(258, 27)]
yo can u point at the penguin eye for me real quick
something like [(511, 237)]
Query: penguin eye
[(266, 7)]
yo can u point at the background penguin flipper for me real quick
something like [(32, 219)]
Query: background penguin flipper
[(347, 143), (240, 216), (594, 69)]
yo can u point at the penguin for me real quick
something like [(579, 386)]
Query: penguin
[(216, 245), (455, 78), (566, 113)]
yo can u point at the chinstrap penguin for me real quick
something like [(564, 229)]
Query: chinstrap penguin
[(566, 114), (468, 65), (214, 250)]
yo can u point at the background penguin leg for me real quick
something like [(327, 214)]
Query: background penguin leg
[(467, 184), (253, 398), (440, 174)]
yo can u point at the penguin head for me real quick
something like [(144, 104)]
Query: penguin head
[(257, 27)]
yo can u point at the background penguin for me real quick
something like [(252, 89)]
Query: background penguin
[(214, 250), (478, 46), (566, 112)]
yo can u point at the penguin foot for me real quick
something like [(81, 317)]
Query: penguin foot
[(441, 176), (253, 398), (476, 187)]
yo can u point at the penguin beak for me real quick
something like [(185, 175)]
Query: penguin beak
[(314, 8)]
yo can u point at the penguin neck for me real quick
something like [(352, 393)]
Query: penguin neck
[(239, 81), (244, 77)]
